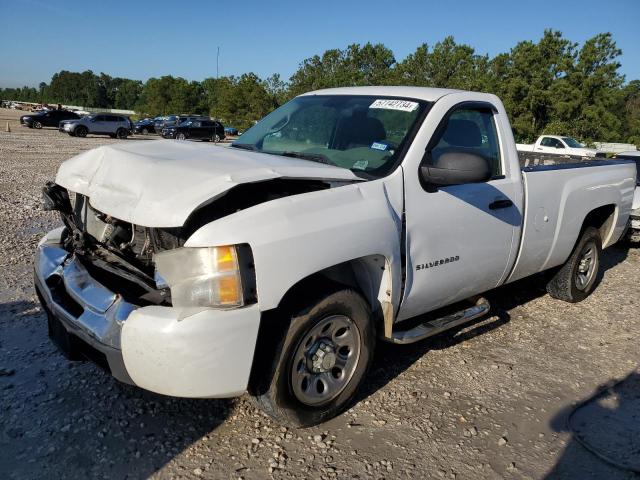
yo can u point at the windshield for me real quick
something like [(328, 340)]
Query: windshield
[(365, 134), (572, 142)]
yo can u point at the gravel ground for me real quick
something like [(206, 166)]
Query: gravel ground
[(489, 401)]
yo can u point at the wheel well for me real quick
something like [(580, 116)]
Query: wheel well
[(602, 218), (370, 276)]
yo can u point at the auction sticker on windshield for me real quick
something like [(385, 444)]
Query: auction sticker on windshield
[(387, 104)]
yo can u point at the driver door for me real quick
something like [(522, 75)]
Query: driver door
[(461, 240)]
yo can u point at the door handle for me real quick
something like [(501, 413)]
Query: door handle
[(502, 203)]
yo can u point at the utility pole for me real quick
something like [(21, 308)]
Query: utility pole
[(218, 64)]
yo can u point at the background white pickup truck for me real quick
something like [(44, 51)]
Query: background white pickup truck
[(345, 215), (557, 145)]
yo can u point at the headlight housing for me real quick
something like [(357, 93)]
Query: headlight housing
[(202, 277)]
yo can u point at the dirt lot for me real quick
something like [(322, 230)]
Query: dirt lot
[(487, 402)]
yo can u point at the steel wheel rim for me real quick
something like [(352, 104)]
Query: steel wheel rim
[(325, 360), (587, 266)]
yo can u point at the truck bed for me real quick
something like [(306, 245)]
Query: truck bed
[(558, 195)]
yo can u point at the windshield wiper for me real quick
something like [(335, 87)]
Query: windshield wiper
[(314, 157), (244, 146)]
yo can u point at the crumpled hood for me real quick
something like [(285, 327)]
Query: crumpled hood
[(159, 183)]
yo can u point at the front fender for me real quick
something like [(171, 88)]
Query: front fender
[(297, 236)]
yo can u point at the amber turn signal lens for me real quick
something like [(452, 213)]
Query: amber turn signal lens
[(225, 258)]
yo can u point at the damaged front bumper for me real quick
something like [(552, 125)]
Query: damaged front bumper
[(197, 352)]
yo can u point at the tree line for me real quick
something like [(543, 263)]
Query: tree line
[(552, 86)]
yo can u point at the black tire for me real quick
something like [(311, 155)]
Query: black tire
[(571, 282), (278, 398), (37, 125), (122, 133), (145, 131), (81, 131)]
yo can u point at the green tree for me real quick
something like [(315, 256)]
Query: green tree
[(447, 65), (356, 65)]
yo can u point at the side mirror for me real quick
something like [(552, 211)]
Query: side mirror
[(455, 168)]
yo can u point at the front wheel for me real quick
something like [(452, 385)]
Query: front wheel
[(576, 279), (37, 125), (324, 357), (216, 138), (81, 131)]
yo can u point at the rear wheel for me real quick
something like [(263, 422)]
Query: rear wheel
[(37, 125), (121, 133), (181, 136), (216, 138), (576, 279), (81, 131), (324, 357)]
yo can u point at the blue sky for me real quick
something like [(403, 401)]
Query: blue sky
[(142, 39)]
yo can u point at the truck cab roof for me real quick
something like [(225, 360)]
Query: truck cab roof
[(421, 93)]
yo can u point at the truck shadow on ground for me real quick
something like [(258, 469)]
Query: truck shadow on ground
[(392, 360), (605, 428), (66, 419)]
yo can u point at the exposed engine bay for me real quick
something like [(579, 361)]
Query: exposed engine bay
[(120, 254)]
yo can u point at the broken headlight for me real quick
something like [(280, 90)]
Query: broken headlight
[(201, 277)]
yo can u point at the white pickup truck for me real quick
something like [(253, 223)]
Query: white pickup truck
[(273, 265), (557, 145)]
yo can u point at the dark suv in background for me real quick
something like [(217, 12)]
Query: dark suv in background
[(144, 126), (52, 118), (197, 129)]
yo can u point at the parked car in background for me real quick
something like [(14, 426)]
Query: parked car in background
[(196, 129), (51, 118), (158, 123), (170, 121), (116, 126), (144, 126), (558, 145), (231, 131), (633, 233)]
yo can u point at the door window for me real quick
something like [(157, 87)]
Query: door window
[(551, 142), (471, 130)]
